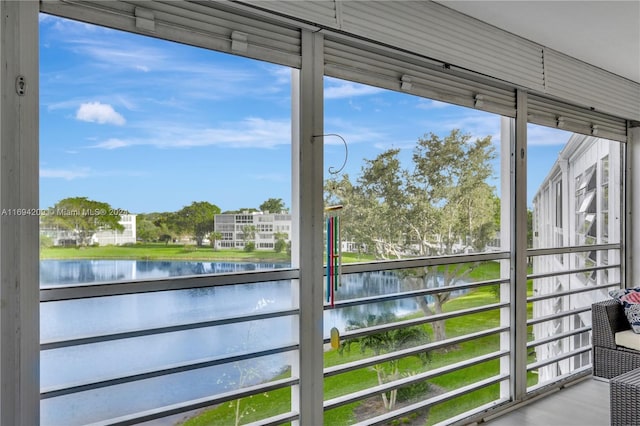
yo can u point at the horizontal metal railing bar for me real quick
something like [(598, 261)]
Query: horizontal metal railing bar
[(570, 292), (416, 262), (57, 344), (413, 293), (55, 391), (417, 321), (573, 249), (571, 271), (558, 315), (276, 420), (487, 413), (371, 361), (466, 418), (549, 361), (372, 391), (158, 413), (117, 288), (395, 414), (558, 336), (559, 381)]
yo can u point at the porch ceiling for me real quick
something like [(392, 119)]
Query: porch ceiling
[(603, 33)]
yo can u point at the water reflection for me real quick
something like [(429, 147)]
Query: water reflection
[(66, 272), (106, 315)]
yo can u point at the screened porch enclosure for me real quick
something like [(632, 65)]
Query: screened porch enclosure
[(482, 212)]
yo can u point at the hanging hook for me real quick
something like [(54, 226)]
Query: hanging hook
[(332, 170)]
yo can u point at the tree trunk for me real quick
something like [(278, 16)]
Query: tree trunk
[(439, 332), (393, 398), (385, 401), (237, 412)]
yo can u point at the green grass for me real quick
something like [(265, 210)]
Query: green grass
[(163, 251), (365, 378), (160, 252)]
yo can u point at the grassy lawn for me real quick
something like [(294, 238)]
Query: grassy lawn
[(365, 378), (163, 251), (160, 252)]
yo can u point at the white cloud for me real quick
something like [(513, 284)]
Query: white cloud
[(96, 112), (480, 125), (282, 74), (66, 174), (338, 89), (112, 144), (547, 136), (248, 133), (352, 133), (272, 177), (72, 103), (431, 104), (137, 57), (126, 102), (85, 172)]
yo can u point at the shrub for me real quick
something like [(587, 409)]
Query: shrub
[(279, 246), (414, 391), (46, 241)]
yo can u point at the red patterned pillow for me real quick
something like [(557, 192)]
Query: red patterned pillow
[(630, 300)]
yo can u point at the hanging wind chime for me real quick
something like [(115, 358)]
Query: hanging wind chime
[(334, 249), (334, 264)]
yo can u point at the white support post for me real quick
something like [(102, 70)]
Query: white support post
[(519, 253), (308, 396), (19, 252), (631, 244), (507, 145)]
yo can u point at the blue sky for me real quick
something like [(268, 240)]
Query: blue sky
[(149, 125)]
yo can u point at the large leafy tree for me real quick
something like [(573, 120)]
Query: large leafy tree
[(167, 225), (146, 230), (440, 205), (156, 227), (196, 220), (83, 216), (273, 205)]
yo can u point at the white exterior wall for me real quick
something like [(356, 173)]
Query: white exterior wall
[(580, 155), (103, 238), (118, 238), (231, 227)]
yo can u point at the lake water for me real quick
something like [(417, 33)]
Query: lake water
[(105, 315)]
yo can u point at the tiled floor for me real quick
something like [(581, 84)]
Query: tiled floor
[(583, 404)]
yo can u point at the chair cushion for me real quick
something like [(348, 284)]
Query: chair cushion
[(628, 339), (630, 300)]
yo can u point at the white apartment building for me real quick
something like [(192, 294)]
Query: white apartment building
[(578, 204), (117, 238), (259, 227), (66, 237)]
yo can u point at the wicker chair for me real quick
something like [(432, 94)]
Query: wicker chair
[(610, 360)]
